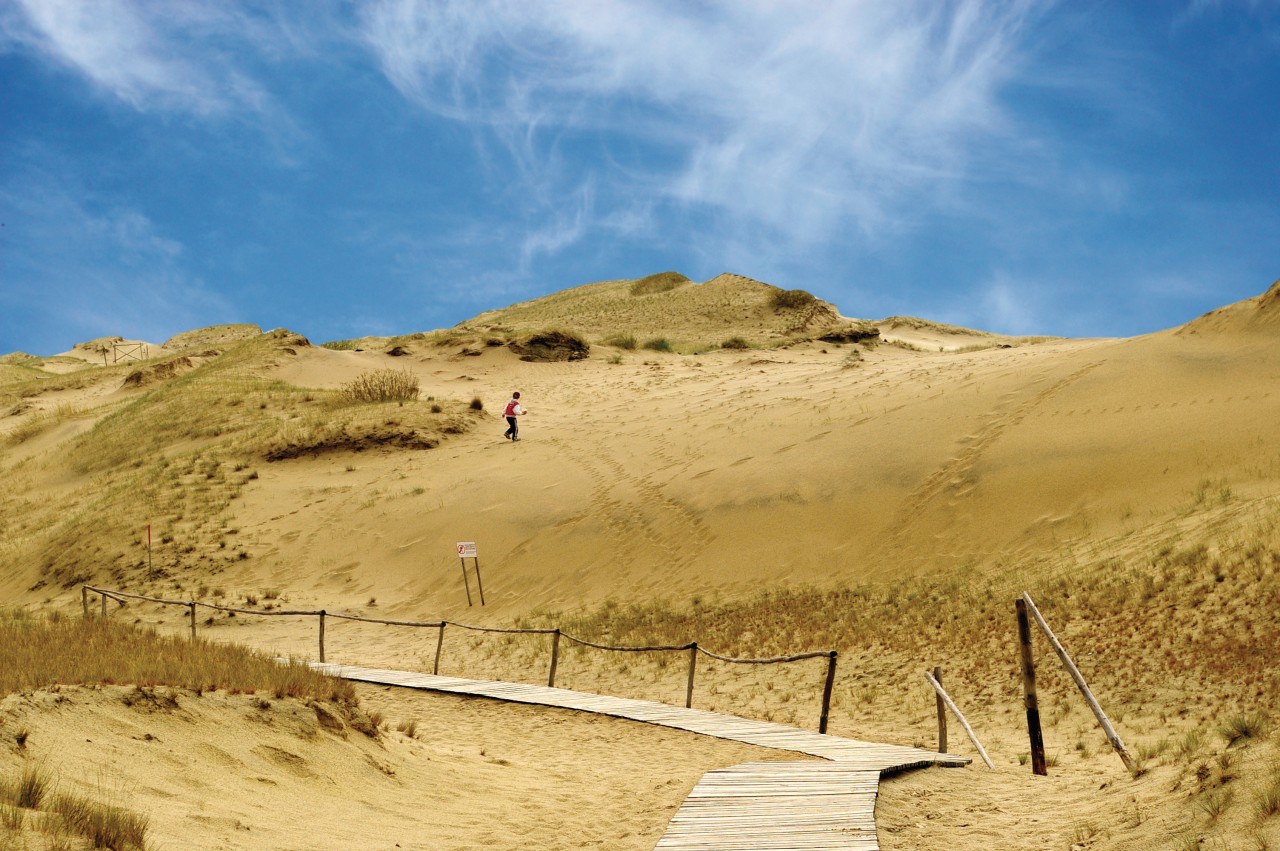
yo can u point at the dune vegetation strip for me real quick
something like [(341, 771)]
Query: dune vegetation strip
[(40, 652)]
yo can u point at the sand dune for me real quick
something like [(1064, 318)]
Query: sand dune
[(955, 457)]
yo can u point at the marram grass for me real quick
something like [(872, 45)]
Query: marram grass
[(37, 652)]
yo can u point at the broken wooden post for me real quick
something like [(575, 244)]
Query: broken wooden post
[(942, 713), (1029, 700), (322, 614), (826, 692), (693, 665), (84, 600), (960, 717), (1112, 735), (439, 646), (555, 657)]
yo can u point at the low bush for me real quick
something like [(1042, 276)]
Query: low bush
[(552, 346), (660, 283), (735, 343), (659, 344), (791, 299)]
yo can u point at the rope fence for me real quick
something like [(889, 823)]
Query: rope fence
[(556, 634)]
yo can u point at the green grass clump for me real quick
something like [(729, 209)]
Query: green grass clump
[(735, 343), (1242, 728), (659, 344), (622, 341), (340, 345)]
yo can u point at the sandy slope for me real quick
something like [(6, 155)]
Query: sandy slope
[(711, 475), (718, 473), (231, 771)]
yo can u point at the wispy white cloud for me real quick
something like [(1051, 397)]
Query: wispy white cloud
[(141, 54), (91, 272), (807, 118)]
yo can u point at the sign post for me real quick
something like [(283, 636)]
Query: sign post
[(467, 550)]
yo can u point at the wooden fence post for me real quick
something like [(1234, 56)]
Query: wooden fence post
[(693, 666), (1029, 699), (937, 686), (322, 614), (826, 692), (439, 647), (84, 600), (942, 713), (555, 657), (104, 605), (192, 607), (479, 584), (1112, 735)]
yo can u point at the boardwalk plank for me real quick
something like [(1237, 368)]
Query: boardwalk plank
[(756, 806)]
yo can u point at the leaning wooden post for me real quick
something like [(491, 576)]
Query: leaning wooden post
[(479, 584), (826, 692), (84, 600), (322, 614), (693, 666), (192, 608), (1112, 735), (439, 647), (465, 581), (1029, 699), (555, 657), (942, 712), (937, 686)]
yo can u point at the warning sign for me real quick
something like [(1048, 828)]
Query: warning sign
[(467, 549)]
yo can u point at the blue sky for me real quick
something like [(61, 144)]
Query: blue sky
[(351, 168)]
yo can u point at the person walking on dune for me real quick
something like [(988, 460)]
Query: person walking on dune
[(512, 411)]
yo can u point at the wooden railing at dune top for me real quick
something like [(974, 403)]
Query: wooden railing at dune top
[(691, 648)]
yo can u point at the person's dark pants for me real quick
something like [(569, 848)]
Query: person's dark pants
[(513, 430)]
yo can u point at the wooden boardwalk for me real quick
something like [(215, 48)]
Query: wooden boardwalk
[(783, 805)]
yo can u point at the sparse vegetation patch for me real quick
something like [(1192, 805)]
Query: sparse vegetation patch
[(552, 346), (660, 283), (792, 299)]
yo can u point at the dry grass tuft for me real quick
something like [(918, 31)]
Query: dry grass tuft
[(382, 385), (1243, 727), (100, 825), (36, 652)]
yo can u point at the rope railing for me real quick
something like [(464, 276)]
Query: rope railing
[(692, 648)]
